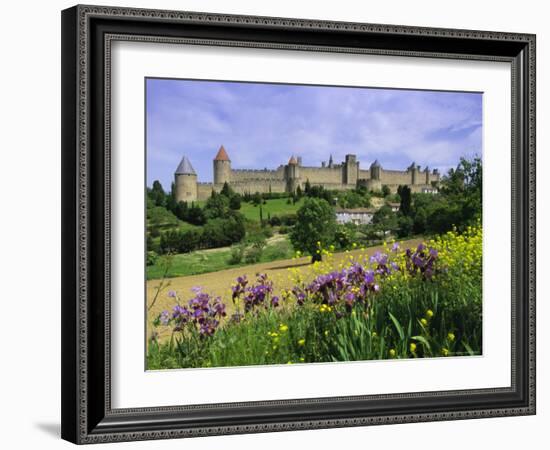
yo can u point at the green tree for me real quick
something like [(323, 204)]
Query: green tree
[(386, 190), (216, 206), (227, 191), (223, 232), (261, 216), (405, 226), (157, 193), (315, 227), (181, 210), (467, 177), (195, 215), (406, 200), (257, 199), (385, 219), (235, 202), (170, 199), (307, 187)]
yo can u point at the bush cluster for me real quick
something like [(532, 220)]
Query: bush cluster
[(215, 233)]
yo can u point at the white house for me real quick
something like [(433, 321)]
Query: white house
[(358, 216)]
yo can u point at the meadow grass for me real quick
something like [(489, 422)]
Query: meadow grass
[(272, 207), (425, 302), (205, 261)]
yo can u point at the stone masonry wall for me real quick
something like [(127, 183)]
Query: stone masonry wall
[(320, 175), (253, 175)]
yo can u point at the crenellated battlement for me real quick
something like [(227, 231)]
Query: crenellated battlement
[(293, 175)]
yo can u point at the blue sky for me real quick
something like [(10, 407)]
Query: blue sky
[(262, 125)]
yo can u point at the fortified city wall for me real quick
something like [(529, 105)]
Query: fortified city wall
[(288, 177)]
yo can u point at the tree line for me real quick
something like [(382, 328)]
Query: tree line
[(457, 205)]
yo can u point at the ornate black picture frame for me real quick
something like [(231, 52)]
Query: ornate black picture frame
[(87, 33)]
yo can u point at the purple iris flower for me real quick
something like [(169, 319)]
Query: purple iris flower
[(164, 317)]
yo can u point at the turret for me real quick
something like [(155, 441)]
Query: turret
[(351, 170), (292, 174), (413, 168), (185, 180), (375, 168), (222, 167)]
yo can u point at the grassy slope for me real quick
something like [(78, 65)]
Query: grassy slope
[(213, 260), (274, 207)]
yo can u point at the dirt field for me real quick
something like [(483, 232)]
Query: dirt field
[(219, 283)]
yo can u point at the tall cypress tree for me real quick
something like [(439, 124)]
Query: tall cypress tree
[(405, 205)]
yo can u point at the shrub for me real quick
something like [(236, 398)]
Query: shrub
[(279, 250), (223, 232), (343, 237), (253, 255), (235, 202), (152, 258), (267, 231), (405, 226), (274, 221), (237, 254), (283, 229), (289, 219)]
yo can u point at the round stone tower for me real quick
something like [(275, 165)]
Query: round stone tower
[(222, 167), (375, 170), (413, 169), (185, 179), (292, 175)]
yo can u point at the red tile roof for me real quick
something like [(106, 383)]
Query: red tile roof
[(222, 155)]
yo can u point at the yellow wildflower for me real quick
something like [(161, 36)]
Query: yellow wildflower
[(301, 342)]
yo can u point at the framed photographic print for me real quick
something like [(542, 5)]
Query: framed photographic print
[(281, 224)]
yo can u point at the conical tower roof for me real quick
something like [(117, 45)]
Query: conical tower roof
[(292, 160), (222, 155), (375, 163), (185, 167)]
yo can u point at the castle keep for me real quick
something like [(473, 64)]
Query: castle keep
[(290, 176)]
